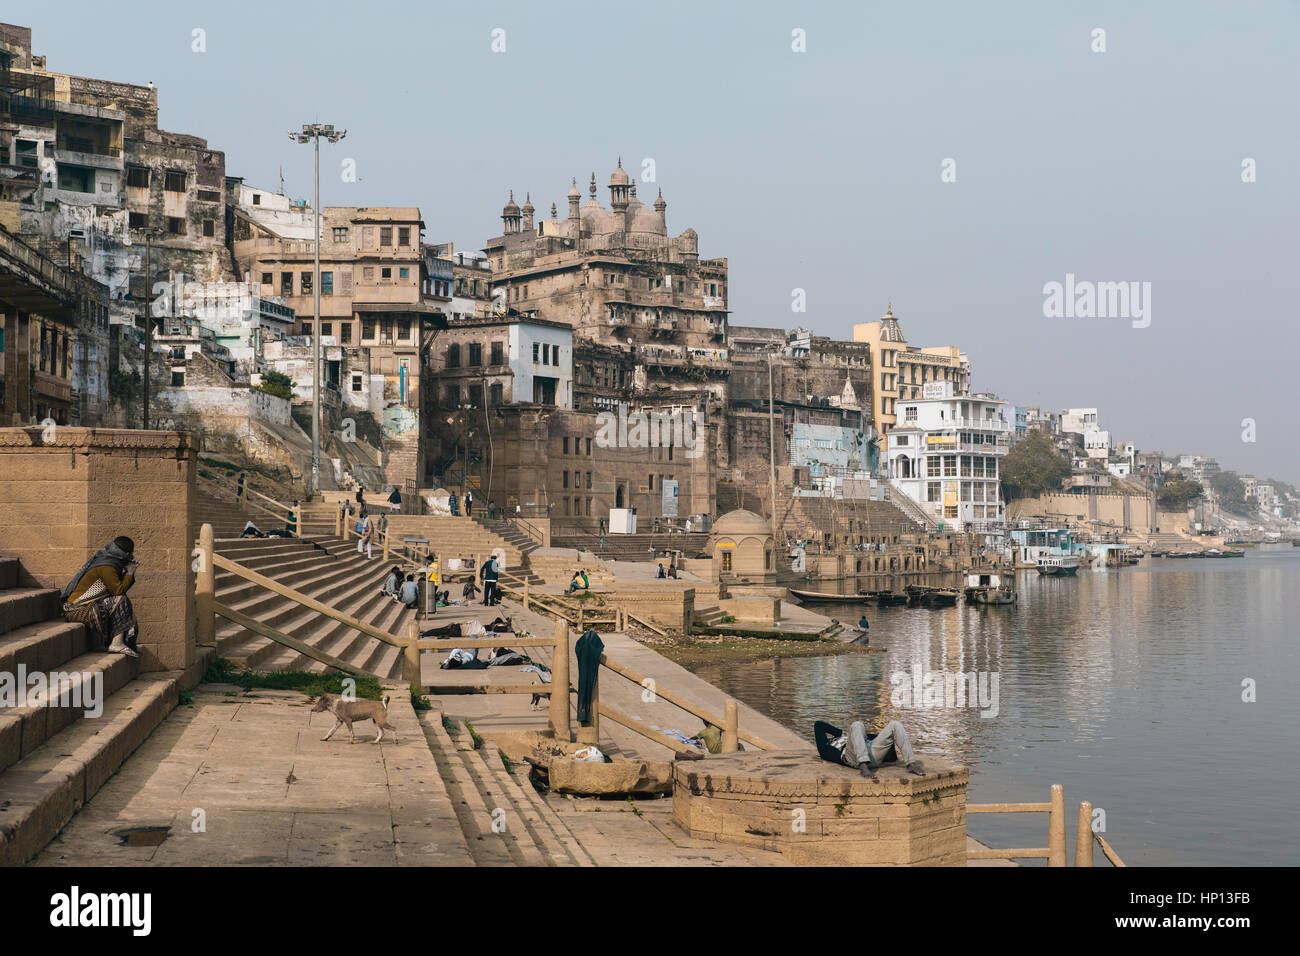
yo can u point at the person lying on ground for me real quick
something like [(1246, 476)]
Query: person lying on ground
[(863, 751)]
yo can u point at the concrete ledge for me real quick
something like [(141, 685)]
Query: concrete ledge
[(818, 813)]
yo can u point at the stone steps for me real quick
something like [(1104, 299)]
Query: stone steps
[(527, 831), (55, 756)]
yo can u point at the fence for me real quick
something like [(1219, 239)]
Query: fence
[(1055, 851)]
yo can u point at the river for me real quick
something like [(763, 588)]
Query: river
[(1125, 686)]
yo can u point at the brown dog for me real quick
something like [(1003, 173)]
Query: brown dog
[(348, 711)]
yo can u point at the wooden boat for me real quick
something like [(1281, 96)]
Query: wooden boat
[(920, 596), (1058, 565), (984, 587), (885, 598), (824, 597)]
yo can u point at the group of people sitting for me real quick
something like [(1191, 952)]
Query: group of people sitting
[(580, 582)]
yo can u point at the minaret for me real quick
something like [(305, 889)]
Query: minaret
[(618, 189), (575, 197), (510, 215), (660, 206), (528, 212)]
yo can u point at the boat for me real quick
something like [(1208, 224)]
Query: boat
[(824, 597), (1179, 554), (921, 596), (1157, 554), (1058, 565), (885, 598), (986, 587), (1234, 553)]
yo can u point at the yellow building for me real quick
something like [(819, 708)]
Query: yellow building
[(901, 371)]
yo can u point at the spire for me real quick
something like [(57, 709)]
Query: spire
[(660, 205)]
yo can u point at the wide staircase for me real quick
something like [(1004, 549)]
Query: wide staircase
[(634, 547), (53, 755), (324, 568), (923, 519), (485, 788)]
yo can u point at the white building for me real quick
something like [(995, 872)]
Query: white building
[(944, 454)]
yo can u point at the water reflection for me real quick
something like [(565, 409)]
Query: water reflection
[(1124, 685)]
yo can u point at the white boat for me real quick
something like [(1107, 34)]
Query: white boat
[(985, 587), (1058, 564)]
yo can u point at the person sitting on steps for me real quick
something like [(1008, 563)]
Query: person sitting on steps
[(863, 751)]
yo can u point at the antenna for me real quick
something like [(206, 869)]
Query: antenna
[(281, 180)]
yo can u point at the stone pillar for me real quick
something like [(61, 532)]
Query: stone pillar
[(66, 492), (731, 728), (205, 591)]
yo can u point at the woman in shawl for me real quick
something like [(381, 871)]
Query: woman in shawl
[(96, 596)]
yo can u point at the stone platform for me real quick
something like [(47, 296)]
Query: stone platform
[(817, 813)]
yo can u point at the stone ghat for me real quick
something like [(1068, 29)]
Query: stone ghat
[(816, 813)]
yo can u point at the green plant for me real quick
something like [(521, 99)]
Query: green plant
[(419, 702), (222, 671), (505, 762), (185, 697), (728, 619), (473, 735), (277, 384), (448, 724)]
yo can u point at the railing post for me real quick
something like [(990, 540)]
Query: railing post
[(525, 594), (386, 533), (589, 733), (205, 590), (411, 656), (338, 523), (560, 684), (297, 521), (1083, 836), (731, 728), (1056, 827)]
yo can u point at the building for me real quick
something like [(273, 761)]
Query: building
[(945, 455), (901, 371), (615, 275)]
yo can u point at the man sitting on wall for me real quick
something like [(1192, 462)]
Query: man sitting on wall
[(579, 582), (863, 751)]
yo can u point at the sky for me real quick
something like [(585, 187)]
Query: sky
[(823, 170)]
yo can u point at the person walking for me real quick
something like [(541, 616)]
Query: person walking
[(240, 482), (469, 504), (366, 534), (488, 574), (96, 596)]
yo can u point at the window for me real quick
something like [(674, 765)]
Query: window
[(498, 353), (137, 220), (327, 283), (403, 329), (267, 278), (566, 480), (650, 482), (356, 376), (385, 235), (588, 479), (404, 235), (305, 282), (451, 396), (475, 396), (327, 328), (566, 446), (385, 273), (475, 355), (950, 466), (367, 328), (345, 333), (209, 195), (209, 228), (932, 490), (588, 446), (286, 283), (404, 273), (497, 394), (909, 413), (137, 177), (453, 356), (176, 225), (306, 328), (257, 199), (536, 350), (174, 182), (340, 233), (178, 379)]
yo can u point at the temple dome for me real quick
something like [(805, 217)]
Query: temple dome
[(740, 522)]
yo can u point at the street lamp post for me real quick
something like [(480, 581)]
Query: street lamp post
[(312, 132)]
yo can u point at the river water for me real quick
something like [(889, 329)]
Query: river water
[(1125, 686)]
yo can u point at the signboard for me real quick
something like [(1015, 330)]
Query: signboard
[(941, 439), (936, 390), (670, 497)]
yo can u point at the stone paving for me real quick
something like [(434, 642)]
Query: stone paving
[(270, 792)]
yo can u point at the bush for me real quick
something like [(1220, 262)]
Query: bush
[(277, 384)]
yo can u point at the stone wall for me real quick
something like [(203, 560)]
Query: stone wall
[(67, 492)]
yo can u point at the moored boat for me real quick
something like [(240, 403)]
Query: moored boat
[(986, 587), (825, 597), (921, 596), (1058, 565)]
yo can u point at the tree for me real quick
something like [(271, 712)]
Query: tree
[(1230, 491), (1178, 495), (1033, 467), (277, 384)]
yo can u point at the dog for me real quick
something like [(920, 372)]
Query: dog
[(347, 711)]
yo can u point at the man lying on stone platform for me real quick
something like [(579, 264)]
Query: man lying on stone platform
[(863, 751)]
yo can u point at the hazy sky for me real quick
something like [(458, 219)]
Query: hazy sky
[(821, 170)]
